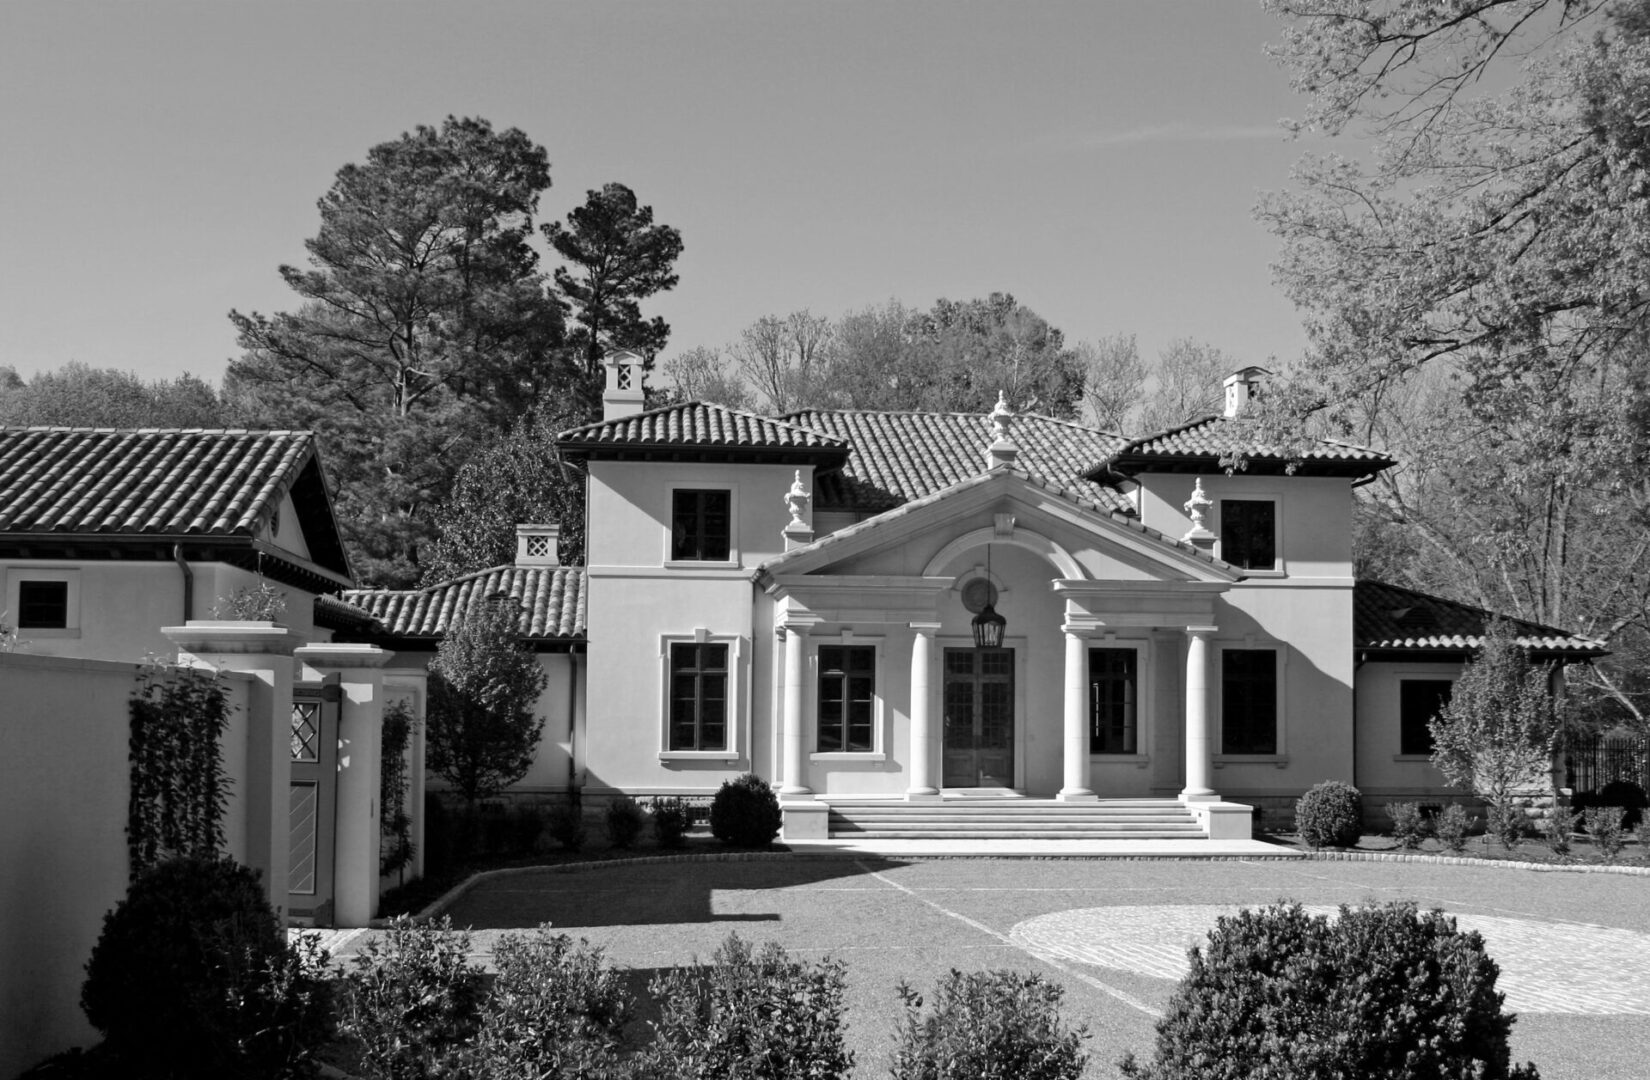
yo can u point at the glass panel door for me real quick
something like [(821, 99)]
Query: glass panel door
[(979, 718)]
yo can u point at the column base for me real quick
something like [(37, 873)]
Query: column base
[(1077, 795), (796, 792), (1203, 795), (804, 820), (923, 795)]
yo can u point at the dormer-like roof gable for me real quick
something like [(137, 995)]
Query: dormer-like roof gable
[(1216, 442), (702, 431)]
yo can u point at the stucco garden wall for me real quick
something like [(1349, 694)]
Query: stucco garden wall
[(64, 771)]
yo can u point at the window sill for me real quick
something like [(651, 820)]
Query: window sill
[(1268, 574), (698, 755), (849, 755), (1278, 760), (1139, 761), (702, 564)]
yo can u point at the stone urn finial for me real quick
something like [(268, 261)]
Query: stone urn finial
[(1002, 418), (796, 500), (1196, 506), (1002, 450)]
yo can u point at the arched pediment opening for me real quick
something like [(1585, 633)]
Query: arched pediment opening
[(1038, 544)]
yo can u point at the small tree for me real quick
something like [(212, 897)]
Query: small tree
[(483, 685), (1496, 735)]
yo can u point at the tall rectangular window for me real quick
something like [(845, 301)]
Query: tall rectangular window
[(42, 605), (701, 525), (1248, 533), (1419, 700), (1248, 701), (1113, 701), (847, 698), (698, 696)]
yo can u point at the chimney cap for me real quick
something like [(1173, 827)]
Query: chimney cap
[(538, 545), (1243, 386)]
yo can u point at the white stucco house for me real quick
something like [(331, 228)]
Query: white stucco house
[(968, 624)]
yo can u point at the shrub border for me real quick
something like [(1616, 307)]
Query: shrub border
[(457, 892)]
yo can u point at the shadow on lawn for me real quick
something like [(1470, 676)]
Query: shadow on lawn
[(652, 894)]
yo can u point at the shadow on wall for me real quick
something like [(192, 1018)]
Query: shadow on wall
[(649, 894)]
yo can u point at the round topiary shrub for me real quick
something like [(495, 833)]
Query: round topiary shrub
[(1381, 991), (1627, 795), (745, 812), (1330, 815), (192, 976)]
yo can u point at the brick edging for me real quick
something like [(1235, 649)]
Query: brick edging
[(457, 892), (1465, 860)]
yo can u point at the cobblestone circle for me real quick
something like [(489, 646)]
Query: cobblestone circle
[(1546, 967)]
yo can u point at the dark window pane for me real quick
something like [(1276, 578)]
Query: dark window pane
[(42, 605), (1419, 700), (701, 525), (698, 696), (1113, 701), (847, 690), (1248, 533), (1249, 701)]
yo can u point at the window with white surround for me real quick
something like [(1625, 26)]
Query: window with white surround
[(1249, 533), (848, 706), (702, 696), (701, 526), (1114, 700), (1251, 714), (43, 602)]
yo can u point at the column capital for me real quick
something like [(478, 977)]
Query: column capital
[(1081, 630), (799, 622), (926, 627), (1202, 631)]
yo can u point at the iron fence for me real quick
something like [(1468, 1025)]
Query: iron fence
[(1591, 761)]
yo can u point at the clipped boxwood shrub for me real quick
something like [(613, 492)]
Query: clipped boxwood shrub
[(750, 1016), (1330, 815), (671, 819), (625, 821), (745, 812), (1382, 992), (987, 1025), (192, 976)]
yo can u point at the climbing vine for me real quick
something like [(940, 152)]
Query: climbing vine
[(394, 823), (179, 791)]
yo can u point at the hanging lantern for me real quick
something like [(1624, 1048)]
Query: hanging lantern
[(988, 628), (988, 625)]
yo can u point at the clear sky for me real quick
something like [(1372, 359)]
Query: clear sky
[(1098, 159)]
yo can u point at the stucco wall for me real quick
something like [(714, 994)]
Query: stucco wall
[(64, 771), (117, 608), (1314, 515), (1385, 775)]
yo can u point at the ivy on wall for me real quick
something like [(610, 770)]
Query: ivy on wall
[(179, 791), (394, 823)]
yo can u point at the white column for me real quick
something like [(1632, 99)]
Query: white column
[(1076, 726), (922, 720), (1199, 739), (795, 751)]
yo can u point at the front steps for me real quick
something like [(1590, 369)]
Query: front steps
[(977, 818)]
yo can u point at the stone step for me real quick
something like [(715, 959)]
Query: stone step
[(994, 834), (1008, 819)]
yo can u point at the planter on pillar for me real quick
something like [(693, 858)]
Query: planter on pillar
[(360, 741), (262, 650)]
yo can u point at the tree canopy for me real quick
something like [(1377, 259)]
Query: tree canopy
[(426, 327), (1474, 287), (76, 395)]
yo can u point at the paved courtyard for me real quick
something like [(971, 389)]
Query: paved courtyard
[(1574, 948)]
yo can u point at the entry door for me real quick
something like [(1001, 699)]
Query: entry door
[(314, 799), (979, 718)]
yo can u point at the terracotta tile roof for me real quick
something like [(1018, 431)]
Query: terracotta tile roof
[(1205, 443), (335, 613), (552, 602), (149, 482), (701, 426), (1079, 498), (1388, 617), (898, 456)]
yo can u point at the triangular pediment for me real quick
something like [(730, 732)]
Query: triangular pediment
[(932, 536)]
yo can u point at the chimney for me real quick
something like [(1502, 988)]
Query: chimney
[(1242, 387), (537, 545), (622, 395)]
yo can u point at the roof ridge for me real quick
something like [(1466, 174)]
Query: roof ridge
[(698, 403), (71, 429), (444, 583), (785, 416)]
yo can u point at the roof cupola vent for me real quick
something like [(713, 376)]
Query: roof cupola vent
[(1243, 387), (538, 545), (622, 396)]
